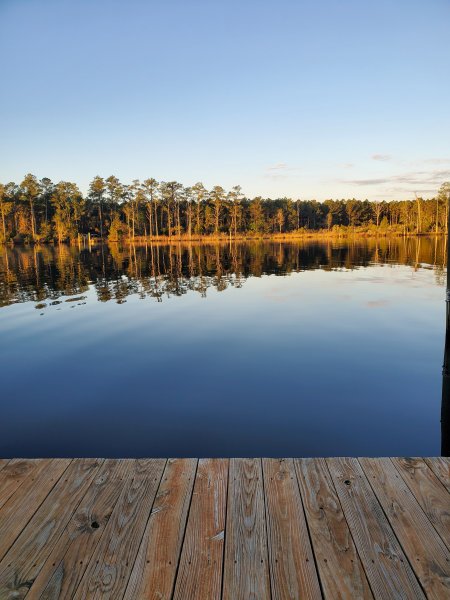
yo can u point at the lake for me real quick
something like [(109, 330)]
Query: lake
[(237, 349)]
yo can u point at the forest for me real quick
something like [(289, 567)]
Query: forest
[(40, 211)]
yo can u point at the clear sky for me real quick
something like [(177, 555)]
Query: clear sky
[(306, 98)]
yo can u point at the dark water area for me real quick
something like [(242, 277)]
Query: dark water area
[(259, 349)]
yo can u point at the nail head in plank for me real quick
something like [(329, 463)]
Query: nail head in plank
[(65, 566), (341, 572), (388, 571), (110, 566), (22, 563)]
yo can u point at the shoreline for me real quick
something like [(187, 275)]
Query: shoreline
[(321, 235)]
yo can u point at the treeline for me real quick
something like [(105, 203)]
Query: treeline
[(39, 211)]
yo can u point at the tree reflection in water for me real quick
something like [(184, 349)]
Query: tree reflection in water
[(158, 271)]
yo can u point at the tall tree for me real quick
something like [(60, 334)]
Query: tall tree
[(68, 205), (188, 201), (114, 190), (217, 197), (444, 197), (46, 192), (199, 193), (171, 194), (97, 190), (150, 187), (234, 197), (31, 189), (280, 219), (5, 210), (378, 208), (257, 221)]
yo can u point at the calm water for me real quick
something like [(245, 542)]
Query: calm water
[(248, 349)]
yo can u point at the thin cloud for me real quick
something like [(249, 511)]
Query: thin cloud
[(279, 171), (381, 157), (419, 178), (424, 177), (405, 190), (437, 161), (277, 167), (367, 181)]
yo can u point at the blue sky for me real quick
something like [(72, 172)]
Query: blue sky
[(309, 99)]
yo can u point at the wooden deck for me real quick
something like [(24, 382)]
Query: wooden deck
[(217, 528)]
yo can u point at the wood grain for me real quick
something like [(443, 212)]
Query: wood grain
[(341, 572), (22, 563), (441, 468), (218, 528), (292, 570), (427, 554), (388, 571), (21, 506), (246, 569), (201, 562), (154, 571), (66, 564), (429, 493), (110, 567), (14, 473)]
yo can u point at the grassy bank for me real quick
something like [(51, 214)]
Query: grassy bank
[(302, 234), (335, 233)]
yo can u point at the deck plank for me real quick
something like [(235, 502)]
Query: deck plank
[(224, 529), (292, 570), (429, 493), (3, 463), (341, 572), (110, 567), (14, 473), (427, 553), (22, 563), (21, 506), (388, 571), (153, 574), (66, 564), (201, 561), (441, 468), (246, 569)]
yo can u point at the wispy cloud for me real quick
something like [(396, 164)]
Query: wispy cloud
[(437, 161), (381, 157), (417, 178), (368, 181), (277, 167), (279, 171), (397, 190)]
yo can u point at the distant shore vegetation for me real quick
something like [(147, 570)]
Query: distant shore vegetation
[(40, 211)]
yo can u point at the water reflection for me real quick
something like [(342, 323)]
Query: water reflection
[(325, 349), (46, 273)]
